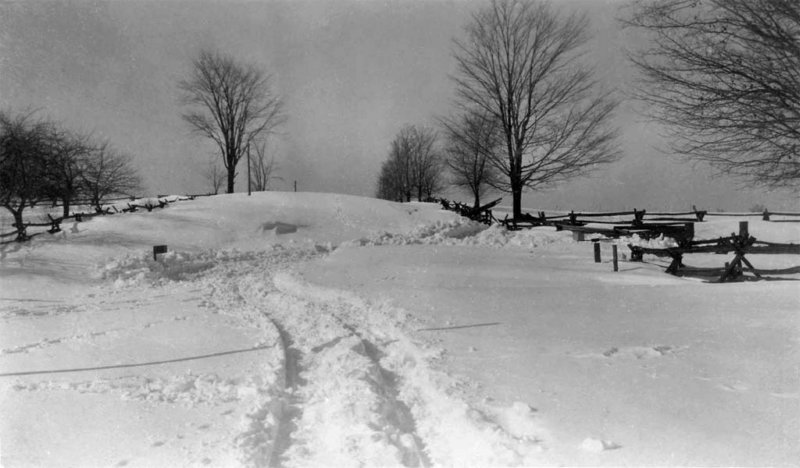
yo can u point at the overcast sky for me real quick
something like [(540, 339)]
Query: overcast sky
[(352, 74)]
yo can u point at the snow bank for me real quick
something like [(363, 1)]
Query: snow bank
[(464, 232)]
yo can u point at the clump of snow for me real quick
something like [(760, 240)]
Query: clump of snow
[(132, 270), (660, 242), (137, 269), (596, 445)]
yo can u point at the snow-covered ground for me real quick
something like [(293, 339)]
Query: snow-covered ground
[(290, 329)]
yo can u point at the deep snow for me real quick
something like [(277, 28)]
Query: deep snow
[(328, 330)]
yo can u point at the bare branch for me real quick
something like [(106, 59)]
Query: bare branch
[(724, 76)]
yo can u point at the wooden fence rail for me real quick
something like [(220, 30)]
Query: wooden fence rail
[(55, 223), (741, 244)]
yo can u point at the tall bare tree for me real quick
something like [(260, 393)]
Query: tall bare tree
[(520, 63), (232, 104), (724, 76), (263, 168), (473, 140), (109, 172), (25, 152)]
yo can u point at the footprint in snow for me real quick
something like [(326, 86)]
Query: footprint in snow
[(735, 387), (638, 352)]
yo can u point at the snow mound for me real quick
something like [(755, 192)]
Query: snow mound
[(463, 232), (133, 270)]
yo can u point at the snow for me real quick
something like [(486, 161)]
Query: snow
[(299, 329)]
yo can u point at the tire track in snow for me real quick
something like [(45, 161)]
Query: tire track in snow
[(353, 388), (287, 409), (340, 406), (425, 423)]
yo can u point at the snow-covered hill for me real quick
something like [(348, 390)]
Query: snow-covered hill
[(328, 330)]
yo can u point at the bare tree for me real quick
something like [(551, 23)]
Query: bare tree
[(233, 104), (214, 175), (520, 64), (263, 168), (25, 150), (109, 172), (473, 140), (390, 182), (70, 155), (414, 164), (723, 76)]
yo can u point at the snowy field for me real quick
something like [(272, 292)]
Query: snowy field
[(290, 329)]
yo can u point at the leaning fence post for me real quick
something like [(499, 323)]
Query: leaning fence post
[(614, 257), (596, 252)]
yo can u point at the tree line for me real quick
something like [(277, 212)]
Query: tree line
[(42, 161), (720, 75)]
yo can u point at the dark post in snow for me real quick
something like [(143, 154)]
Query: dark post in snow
[(295, 185), (743, 229), (614, 257), (158, 249), (249, 192), (597, 252)]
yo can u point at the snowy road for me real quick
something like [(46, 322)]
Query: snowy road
[(420, 340)]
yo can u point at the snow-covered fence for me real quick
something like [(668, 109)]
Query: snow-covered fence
[(766, 215), (740, 244), (21, 232)]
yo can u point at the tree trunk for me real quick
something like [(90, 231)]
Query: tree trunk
[(231, 178), (66, 207), (517, 196), (18, 223), (477, 200)]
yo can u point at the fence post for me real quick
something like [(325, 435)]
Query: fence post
[(614, 256), (765, 216), (597, 252), (743, 229), (158, 249)]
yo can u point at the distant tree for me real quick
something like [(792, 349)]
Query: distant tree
[(25, 151), (390, 182), (68, 159), (232, 104), (263, 168), (414, 166), (519, 63), (473, 141), (723, 76), (109, 172), (432, 180), (214, 175)]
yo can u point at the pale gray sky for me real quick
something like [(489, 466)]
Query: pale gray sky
[(352, 74)]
